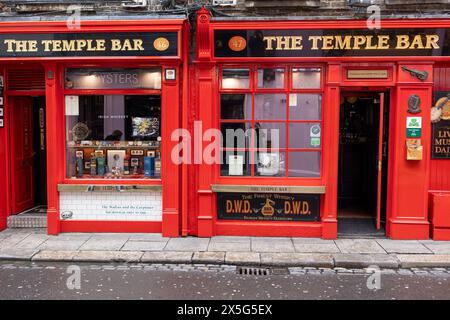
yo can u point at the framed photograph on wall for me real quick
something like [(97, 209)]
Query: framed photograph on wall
[(1, 101), (1, 112), (116, 159)]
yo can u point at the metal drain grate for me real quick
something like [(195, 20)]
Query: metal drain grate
[(249, 271)]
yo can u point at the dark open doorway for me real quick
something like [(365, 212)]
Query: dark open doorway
[(28, 155), (363, 148)]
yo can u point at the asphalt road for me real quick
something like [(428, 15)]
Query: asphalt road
[(22, 280)]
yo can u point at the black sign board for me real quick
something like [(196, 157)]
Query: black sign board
[(268, 206), (331, 43), (89, 44), (440, 143)]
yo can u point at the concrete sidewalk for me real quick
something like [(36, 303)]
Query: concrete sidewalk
[(36, 245)]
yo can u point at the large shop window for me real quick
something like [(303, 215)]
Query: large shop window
[(113, 136), (271, 121)]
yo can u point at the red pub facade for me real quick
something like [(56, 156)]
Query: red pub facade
[(342, 127)]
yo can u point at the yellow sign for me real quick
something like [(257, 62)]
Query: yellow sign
[(161, 44)]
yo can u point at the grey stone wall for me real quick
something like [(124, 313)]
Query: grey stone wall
[(269, 8)]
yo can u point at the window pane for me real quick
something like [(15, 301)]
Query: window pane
[(236, 106), (304, 164), (235, 163), (236, 135), (113, 136), (270, 107), (270, 163), (305, 106), (113, 78), (270, 135), (306, 78), (271, 78), (235, 78), (304, 135)]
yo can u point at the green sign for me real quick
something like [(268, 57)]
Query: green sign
[(413, 132)]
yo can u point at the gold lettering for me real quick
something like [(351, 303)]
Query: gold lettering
[(115, 45), (402, 42), (269, 42), (9, 44), (358, 41), (46, 44), (282, 43), (327, 43), (138, 44), (343, 43), (383, 42), (369, 44), (315, 42), (432, 42), (417, 43), (297, 43), (68, 45)]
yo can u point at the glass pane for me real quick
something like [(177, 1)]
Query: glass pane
[(271, 78), (305, 106), (306, 78), (236, 135), (270, 107), (270, 135), (236, 106), (270, 163), (113, 136), (304, 164), (304, 135), (113, 78), (235, 78), (235, 163)]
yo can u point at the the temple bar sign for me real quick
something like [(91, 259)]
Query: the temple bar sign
[(268, 206), (329, 43), (89, 44)]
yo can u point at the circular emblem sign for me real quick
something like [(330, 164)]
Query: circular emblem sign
[(237, 43), (161, 44)]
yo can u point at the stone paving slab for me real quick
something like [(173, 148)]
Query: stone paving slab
[(272, 245), (359, 246), (243, 258), (65, 245), (167, 257), (209, 257), (241, 246), (100, 243), (423, 261), (403, 246), (297, 260), (187, 244), (33, 241), (17, 254), (53, 255), (143, 246), (108, 256), (357, 260), (316, 247), (230, 239), (439, 247), (302, 241), (154, 237)]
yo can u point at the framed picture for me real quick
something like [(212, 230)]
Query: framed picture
[(99, 153), (1, 101), (151, 153), (138, 152), (87, 165), (1, 123), (116, 159), (1, 112), (134, 162), (1, 81), (79, 154)]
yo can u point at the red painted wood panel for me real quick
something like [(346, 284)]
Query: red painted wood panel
[(440, 169)]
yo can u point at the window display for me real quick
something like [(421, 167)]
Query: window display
[(113, 136), (269, 130)]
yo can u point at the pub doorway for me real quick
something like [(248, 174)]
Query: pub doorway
[(363, 164), (28, 160)]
